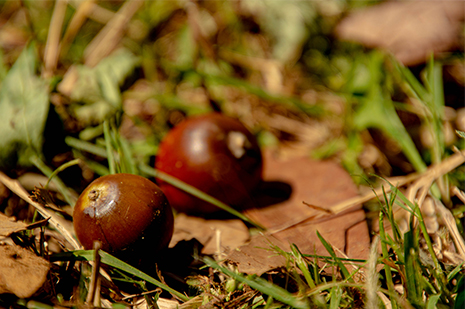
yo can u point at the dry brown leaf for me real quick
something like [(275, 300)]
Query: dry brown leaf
[(257, 257), (411, 30), (21, 271), (216, 236), (8, 226), (318, 183)]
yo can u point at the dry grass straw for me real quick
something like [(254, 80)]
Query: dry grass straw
[(56, 221), (52, 47), (109, 37), (421, 181)]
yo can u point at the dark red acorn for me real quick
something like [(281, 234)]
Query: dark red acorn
[(127, 213), (214, 153)]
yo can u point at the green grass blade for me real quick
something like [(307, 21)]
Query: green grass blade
[(412, 82), (460, 298), (62, 188), (396, 195), (262, 285), (437, 271), (150, 171), (345, 273), (110, 260), (336, 294), (32, 304), (60, 169), (330, 258), (432, 301), (98, 168), (85, 146), (109, 148), (411, 269), (385, 255), (377, 111), (127, 162), (303, 266), (455, 271)]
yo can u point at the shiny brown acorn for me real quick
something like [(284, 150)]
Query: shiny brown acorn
[(214, 153), (127, 213)]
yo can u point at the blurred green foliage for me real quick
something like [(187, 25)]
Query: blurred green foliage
[(24, 104)]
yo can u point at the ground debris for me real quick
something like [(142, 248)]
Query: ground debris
[(216, 236), (21, 272)]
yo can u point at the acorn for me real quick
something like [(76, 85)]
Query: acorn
[(128, 214), (214, 153)]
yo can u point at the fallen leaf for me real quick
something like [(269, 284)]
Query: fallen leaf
[(411, 30), (296, 182), (257, 257), (227, 234), (318, 183), (21, 271), (9, 226)]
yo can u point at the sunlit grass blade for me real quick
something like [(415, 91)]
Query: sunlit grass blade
[(455, 271), (125, 159), (434, 82), (110, 260), (336, 294), (388, 211), (411, 81), (406, 204), (412, 283), (432, 301), (329, 259), (414, 210), (128, 164), (263, 286), (86, 146), (303, 266), (437, 270), (109, 148), (345, 273), (98, 168), (377, 110), (195, 192)]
